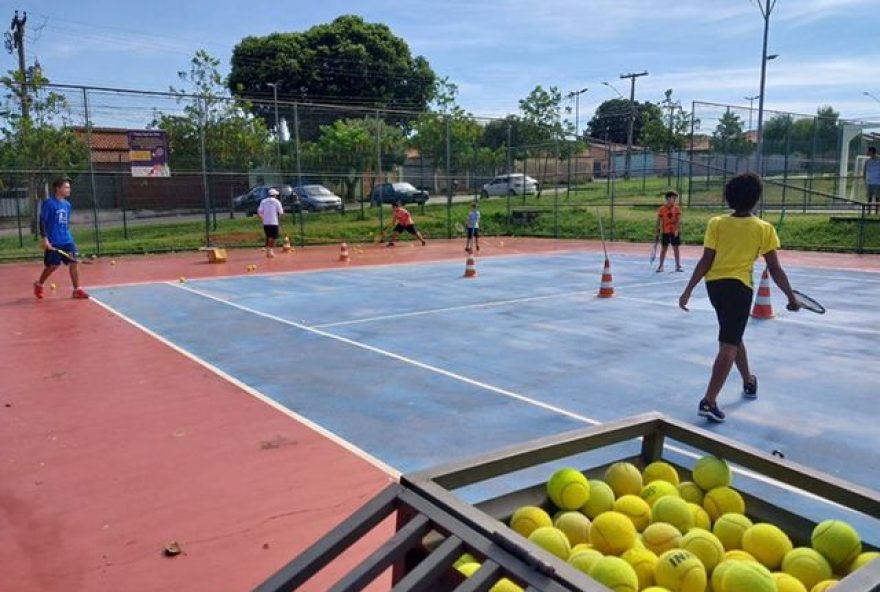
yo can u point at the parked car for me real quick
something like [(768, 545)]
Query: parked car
[(317, 197), (392, 192), (250, 201), (511, 184)]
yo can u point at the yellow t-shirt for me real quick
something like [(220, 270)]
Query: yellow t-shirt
[(737, 242)]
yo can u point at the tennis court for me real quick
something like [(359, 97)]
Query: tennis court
[(404, 364)]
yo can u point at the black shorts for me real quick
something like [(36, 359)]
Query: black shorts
[(473, 233), (731, 300), (670, 239), (411, 228), (271, 231)]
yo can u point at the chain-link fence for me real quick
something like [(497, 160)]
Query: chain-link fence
[(339, 167)]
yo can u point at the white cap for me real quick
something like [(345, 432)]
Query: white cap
[(273, 191)]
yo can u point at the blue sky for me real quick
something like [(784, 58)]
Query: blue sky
[(497, 51)]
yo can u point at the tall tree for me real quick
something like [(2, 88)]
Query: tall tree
[(347, 61), (612, 120), (827, 130), (546, 132), (728, 137), (669, 127)]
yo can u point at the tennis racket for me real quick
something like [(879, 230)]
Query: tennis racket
[(459, 228), (72, 258), (808, 303)]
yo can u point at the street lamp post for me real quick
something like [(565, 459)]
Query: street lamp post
[(577, 130), (766, 9), (868, 94), (751, 101), (274, 86), (632, 119)]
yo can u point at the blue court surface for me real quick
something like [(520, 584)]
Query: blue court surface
[(415, 366)]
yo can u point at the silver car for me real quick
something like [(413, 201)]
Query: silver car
[(317, 197), (512, 184)]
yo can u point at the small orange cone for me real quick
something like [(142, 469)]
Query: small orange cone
[(606, 288), (470, 268), (763, 308), (286, 246), (343, 252)]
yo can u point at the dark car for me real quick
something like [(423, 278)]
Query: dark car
[(250, 201), (392, 192)]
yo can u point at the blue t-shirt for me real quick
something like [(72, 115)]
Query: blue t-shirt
[(55, 219), (872, 171), (474, 219)]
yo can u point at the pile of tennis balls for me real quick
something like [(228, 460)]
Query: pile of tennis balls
[(648, 531)]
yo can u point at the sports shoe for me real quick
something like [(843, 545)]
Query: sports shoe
[(711, 411), (80, 294), (750, 388), (390, 245), (38, 290), (270, 254), (423, 242), (659, 269), (679, 268)]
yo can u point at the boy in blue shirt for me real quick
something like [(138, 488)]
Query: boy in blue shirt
[(55, 232), (473, 228)]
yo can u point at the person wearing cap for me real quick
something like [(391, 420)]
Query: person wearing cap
[(669, 229), (270, 211)]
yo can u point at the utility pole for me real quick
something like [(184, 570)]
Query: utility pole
[(671, 105), (632, 118), (17, 28), (751, 101)]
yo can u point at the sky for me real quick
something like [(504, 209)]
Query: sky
[(498, 51)]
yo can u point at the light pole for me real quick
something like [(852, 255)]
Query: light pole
[(577, 133), (632, 118), (751, 101), (766, 9), (274, 86), (868, 94)]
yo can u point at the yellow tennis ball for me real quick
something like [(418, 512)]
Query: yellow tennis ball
[(691, 492), (767, 543), (747, 576), (465, 558), (551, 540), (642, 562), (675, 511), (660, 537), (615, 573), (634, 508), (580, 547), (838, 542), (807, 565), (680, 571), (729, 529), (52, 286), (723, 500), (655, 589), (505, 585), (701, 517), (738, 555), (612, 533), (584, 560), (568, 489), (601, 499), (718, 574), (181, 279), (624, 478), (659, 470), (657, 489), (824, 585), (711, 472), (863, 560), (705, 546), (468, 569), (575, 525), (788, 583), (527, 518)]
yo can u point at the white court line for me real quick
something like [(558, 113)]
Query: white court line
[(466, 380), (260, 396)]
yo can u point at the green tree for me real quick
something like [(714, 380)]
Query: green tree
[(611, 120), (44, 145), (777, 133), (347, 61), (546, 132), (827, 130), (728, 137), (668, 128)]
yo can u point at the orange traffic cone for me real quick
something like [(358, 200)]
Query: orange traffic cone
[(606, 288), (470, 268), (763, 308), (286, 246), (343, 252)]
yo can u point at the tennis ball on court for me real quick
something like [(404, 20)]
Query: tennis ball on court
[(723, 500), (738, 555), (674, 511), (634, 508), (584, 560), (52, 286), (615, 573), (704, 545), (113, 262), (465, 558), (837, 541), (181, 279), (660, 537), (863, 560), (680, 571), (729, 529), (657, 489), (659, 470), (690, 492), (551, 540), (468, 569), (747, 576), (701, 517), (568, 489), (788, 583), (624, 478), (807, 565), (575, 525), (711, 472), (601, 499), (824, 585), (612, 533), (527, 518), (642, 562), (767, 543)]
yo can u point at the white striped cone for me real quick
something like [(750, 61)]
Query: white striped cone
[(343, 252), (606, 288), (763, 308), (470, 268), (286, 247)]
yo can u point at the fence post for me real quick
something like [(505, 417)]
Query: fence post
[(448, 183), (92, 171), (18, 220), (379, 171), (691, 156), (555, 189), (302, 229), (203, 122)]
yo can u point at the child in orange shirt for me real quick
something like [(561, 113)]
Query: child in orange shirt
[(403, 222), (669, 229)]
